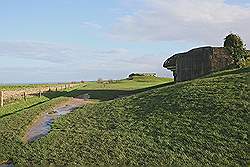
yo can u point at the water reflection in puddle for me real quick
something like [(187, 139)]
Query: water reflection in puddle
[(43, 126), (8, 164)]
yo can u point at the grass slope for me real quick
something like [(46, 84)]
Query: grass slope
[(13, 126), (199, 123), (16, 117)]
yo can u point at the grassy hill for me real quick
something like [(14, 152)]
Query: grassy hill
[(203, 122)]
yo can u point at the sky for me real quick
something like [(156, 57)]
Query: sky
[(74, 40)]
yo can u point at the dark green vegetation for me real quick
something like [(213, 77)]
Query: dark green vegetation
[(236, 47), (197, 123)]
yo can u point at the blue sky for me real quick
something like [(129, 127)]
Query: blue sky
[(72, 40)]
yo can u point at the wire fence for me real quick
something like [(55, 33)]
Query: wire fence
[(8, 96)]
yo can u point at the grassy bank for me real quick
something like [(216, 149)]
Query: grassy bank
[(16, 117), (13, 126), (197, 123)]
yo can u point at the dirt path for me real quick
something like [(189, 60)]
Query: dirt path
[(42, 126)]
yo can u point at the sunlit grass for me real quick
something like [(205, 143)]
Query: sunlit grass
[(195, 123)]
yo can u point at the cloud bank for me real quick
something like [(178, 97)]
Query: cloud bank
[(44, 61), (34, 50), (184, 20), (87, 24)]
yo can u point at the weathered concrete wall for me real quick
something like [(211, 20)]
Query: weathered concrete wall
[(170, 63), (194, 63), (221, 59), (198, 62)]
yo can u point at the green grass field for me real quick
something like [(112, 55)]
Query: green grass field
[(203, 122), (97, 91), (16, 117)]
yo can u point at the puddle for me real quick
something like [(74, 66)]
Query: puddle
[(64, 110), (8, 164), (43, 126)]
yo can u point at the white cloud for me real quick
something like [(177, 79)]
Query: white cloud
[(88, 24), (184, 20), (115, 51), (43, 61), (44, 51)]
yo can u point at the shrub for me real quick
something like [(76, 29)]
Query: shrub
[(236, 47), (99, 80)]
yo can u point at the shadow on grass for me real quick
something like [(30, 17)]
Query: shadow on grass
[(229, 72), (5, 115), (102, 94)]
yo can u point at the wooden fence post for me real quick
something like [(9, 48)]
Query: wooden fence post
[(24, 96), (1, 98), (40, 93)]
